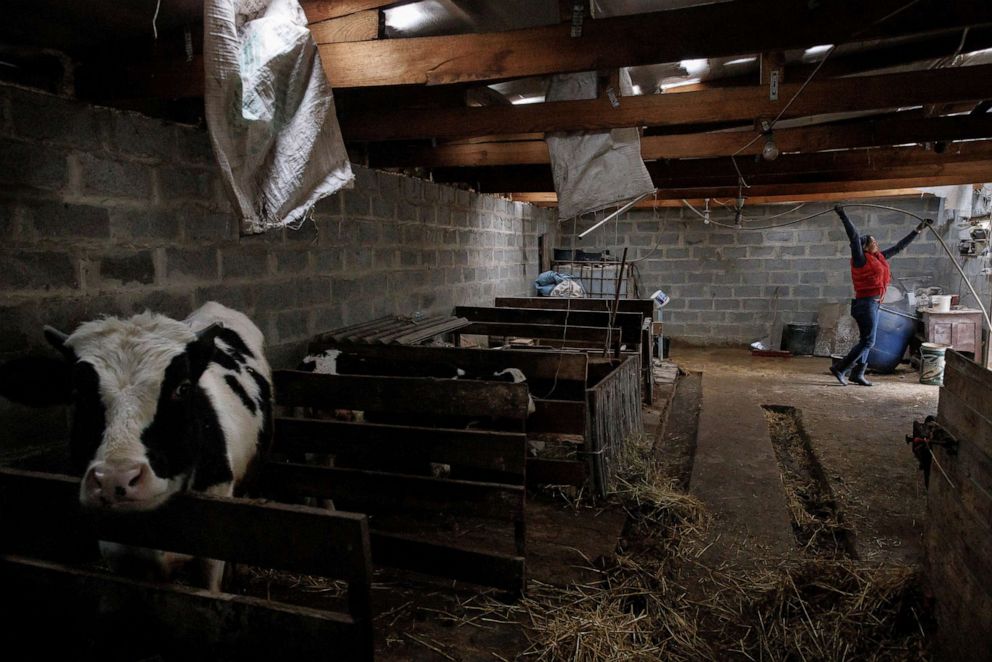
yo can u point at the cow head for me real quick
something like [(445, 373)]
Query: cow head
[(138, 411)]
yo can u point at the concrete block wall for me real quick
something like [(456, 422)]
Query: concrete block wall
[(723, 281), (106, 212)]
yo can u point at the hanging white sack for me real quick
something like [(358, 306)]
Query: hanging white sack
[(270, 112), (594, 170)]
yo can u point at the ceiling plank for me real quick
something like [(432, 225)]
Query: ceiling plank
[(862, 164), (551, 200), (718, 105), (721, 29), (360, 26), (784, 192), (882, 56), (828, 186), (870, 133), (322, 10)]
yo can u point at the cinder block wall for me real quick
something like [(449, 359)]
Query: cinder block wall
[(723, 281), (105, 212)]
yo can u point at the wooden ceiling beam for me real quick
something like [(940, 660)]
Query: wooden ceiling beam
[(806, 192), (883, 56), (551, 199), (824, 186), (869, 133), (714, 30), (718, 105), (322, 10), (965, 158), (360, 26)]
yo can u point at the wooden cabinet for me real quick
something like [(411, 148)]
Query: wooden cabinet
[(960, 329)]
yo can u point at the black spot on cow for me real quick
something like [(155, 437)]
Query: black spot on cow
[(264, 406), (239, 350), (227, 361), (185, 431), (239, 390)]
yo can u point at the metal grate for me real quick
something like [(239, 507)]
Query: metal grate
[(598, 279)]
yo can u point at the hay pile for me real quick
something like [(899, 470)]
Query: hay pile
[(657, 601)]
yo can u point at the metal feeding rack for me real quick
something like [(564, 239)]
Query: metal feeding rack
[(598, 279)]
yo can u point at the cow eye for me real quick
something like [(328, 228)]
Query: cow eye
[(182, 391)]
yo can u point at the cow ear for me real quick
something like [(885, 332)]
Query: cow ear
[(57, 340), (201, 350), (37, 381)]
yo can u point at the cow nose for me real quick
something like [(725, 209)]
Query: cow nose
[(108, 483)]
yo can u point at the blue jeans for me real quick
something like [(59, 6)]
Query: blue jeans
[(865, 313)]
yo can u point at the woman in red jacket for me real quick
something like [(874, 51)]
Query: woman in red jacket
[(870, 276)]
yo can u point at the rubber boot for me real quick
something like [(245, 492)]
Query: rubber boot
[(858, 374), (839, 374)]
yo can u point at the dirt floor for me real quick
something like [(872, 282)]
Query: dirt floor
[(856, 433)]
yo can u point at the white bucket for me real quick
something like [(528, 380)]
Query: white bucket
[(941, 303), (932, 363)]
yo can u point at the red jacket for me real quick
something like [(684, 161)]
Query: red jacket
[(871, 279)]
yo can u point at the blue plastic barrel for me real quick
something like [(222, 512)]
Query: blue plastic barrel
[(895, 330)]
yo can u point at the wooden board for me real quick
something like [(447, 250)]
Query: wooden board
[(376, 492), (958, 533), (40, 515), (496, 451), (360, 26), (870, 133), (629, 323), (874, 92), (84, 604), (401, 395), (329, 544), (723, 29), (643, 306), (536, 365), (591, 334)]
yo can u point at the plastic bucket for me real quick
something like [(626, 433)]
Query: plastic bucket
[(895, 329), (799, 338), (941, 303), (932, 363)]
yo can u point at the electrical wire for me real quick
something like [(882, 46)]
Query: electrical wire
[(933, 231), (742, 183)]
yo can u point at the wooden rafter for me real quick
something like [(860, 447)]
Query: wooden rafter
[(718, 105), (721, 29), (322, 10), (968, 160), (826, 186), (551, 200), (360, 26), (882, 56), (868, 133)]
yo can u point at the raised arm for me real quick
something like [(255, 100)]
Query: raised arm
[(857, 252), (906, 241)]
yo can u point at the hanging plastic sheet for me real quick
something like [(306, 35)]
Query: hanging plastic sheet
[(594, 170), (270, 112)]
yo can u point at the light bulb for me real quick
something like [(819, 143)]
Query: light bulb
[(770, 151)]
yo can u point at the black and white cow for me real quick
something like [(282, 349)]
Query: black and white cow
[(159, 407)]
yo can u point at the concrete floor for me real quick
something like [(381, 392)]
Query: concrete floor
[(856, 432)]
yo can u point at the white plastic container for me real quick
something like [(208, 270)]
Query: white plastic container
[(940, 303)]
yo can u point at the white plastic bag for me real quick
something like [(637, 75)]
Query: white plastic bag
[(270, 112), (595, 169)]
